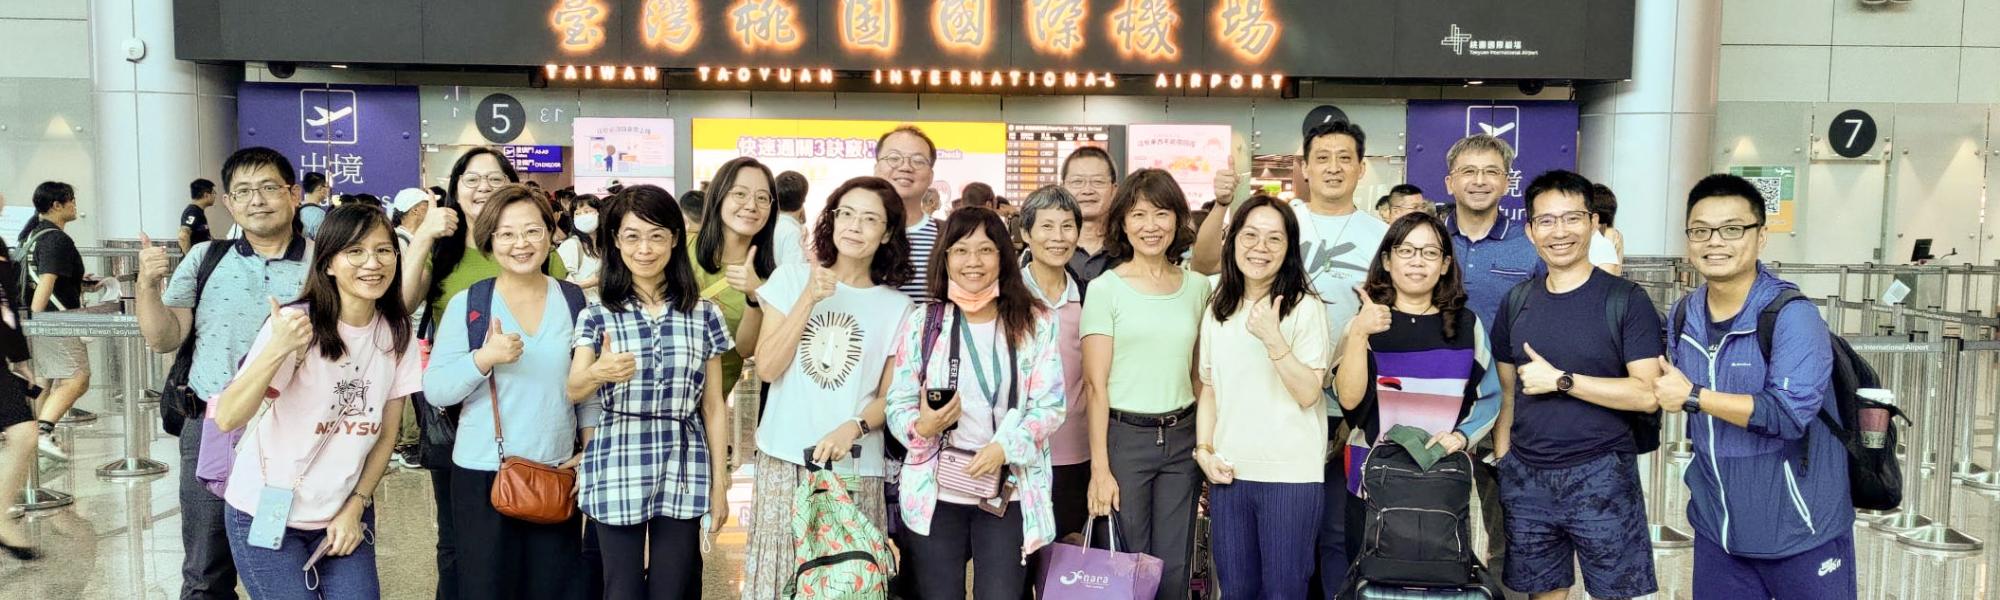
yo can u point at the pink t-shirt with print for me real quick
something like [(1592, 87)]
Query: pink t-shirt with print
[(344, 399)]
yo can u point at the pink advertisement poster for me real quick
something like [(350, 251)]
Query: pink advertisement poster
[(1191, 153)]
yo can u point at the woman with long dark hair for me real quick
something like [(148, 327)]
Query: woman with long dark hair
[(1008, 402), (1140, 322), (582, 253), (513, 384), (827, 337), (649, 357), (733, 253), (1415, 355), (1263, 357), (328, 374)]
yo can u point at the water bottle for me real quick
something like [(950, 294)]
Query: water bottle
[(1874, 419)]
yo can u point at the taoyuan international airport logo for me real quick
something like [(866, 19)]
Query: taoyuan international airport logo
[(1462, 43)]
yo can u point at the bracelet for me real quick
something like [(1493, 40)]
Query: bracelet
[(1198, 448), (1281, 355), (751, 301)]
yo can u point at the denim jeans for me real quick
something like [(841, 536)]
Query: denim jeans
[(281, 575)]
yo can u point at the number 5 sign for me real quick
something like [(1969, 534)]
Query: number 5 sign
[(500, 118), (1851, 133)]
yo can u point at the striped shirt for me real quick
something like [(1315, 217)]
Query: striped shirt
[(923, 238), (1419, 378)]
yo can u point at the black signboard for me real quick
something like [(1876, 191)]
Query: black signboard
[(1352, 39), (1851, 133)]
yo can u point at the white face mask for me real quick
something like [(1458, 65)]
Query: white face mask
[(586, 223)]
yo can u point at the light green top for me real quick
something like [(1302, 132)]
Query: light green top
[(1152, 340), (714, 287)]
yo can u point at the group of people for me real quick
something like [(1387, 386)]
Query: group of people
[(981, 397)]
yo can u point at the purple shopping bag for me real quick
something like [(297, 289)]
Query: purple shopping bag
[(1071, 572), (218, 452)]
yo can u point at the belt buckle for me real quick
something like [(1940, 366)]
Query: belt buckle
[(1170, 420)]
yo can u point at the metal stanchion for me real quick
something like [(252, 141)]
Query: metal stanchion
[(1938, 534), (137, 461), (1662, 531), (1984, 387), (1908, 385), (1964, 469)]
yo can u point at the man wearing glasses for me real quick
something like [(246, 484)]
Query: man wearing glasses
[(261, 193), (1402, 200), (1781, 530), (908, 159), (1087, 173), (1576, 374)]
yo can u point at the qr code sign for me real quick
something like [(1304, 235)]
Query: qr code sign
[(1770, 188)]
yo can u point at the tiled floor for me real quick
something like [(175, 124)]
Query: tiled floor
[(121, 538)]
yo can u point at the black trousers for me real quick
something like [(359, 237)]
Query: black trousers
[(675, 548), (503, 558), (960, 533), (207, 571), (447, 543)]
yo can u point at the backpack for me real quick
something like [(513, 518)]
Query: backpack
[(177, 400), (27, 276), (1418, 531), (1874, 477), (1645, 426), (439, 426), (479, 308), (840, 554)]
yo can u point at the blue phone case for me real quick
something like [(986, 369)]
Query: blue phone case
[(274, 510)]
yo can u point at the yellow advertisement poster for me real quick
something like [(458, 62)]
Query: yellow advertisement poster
[(830, 152)]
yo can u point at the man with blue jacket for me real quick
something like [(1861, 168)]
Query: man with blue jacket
[(1768, 485)]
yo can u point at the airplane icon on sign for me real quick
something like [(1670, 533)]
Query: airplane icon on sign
[(328, 117)]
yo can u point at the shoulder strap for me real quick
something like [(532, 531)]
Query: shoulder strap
[(1674, 320), (1517, 299), (478, 305), (933, 325), (573, 296), (210, 257), (1614, 318), (1767, 319), (27, 258)]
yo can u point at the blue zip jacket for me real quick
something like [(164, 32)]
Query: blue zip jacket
[(1750, 491)]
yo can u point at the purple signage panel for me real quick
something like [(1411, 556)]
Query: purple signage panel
[(535, 159), (1543, 135), (365, 138)]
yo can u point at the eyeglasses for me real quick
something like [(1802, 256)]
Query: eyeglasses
[(739, 195), (1474, 172), (1413, 206), (868, 220), (982, 252), (897, 158), (508, 238), (268, 190), (656, 240), (1569, 219), (1250, 239), (1407, 252), (358, 256), (1087, 182), (492, 180), (1729, 232)]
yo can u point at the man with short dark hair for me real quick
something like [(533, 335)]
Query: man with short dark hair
[(907, 157), (194, 218), (1607, 246), (53, 280), (269, 261), (1576, 376), (315, 206), (790, 198), (1402, 200), (1784, 528), (1089, 175)]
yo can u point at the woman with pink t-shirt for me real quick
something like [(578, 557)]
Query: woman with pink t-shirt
[(327, 374)]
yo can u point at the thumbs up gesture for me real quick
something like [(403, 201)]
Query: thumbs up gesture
[(1263, 323), (1537, 375), (612, 367), (152, 263), (1672, 388), (821, 286), (291, 329), (500, 348), (439, 222), (1373, 318), (743, 276)]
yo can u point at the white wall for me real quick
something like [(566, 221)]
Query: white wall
[(47, 128)]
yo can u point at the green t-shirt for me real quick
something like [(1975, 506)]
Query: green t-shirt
[(1152, 340), (476, 265), (715, 287)]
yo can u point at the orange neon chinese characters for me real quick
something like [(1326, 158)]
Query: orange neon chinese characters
[(580, 24), (758, 24), (1245, 27), (1144, 29), (868, 25), (964, 25), (670, 24), (1055, 26)]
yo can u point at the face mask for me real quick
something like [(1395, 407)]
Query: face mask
[(970, 301), (586, 223)]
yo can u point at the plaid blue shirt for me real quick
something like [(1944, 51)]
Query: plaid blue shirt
[(649, 457)]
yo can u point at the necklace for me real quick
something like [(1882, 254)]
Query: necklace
[(1326, 243)]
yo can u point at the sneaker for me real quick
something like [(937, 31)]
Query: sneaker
[(406, 458), (47, 444)]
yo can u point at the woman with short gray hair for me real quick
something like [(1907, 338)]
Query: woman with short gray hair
[(1048, 224)]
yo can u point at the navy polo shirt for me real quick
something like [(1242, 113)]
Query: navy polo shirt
[(1493, 265)]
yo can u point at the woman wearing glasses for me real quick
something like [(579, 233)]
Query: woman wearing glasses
[(649, 359), (734, 253), (828, 332), (1263, 356), (1415, 355), (440, 266), (515, 402), (328, 373)]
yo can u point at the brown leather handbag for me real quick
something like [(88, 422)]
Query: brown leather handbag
[(529, 490)]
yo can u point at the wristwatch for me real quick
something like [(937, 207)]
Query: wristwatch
[(1693, 404), (1565, 382), (862, 422)]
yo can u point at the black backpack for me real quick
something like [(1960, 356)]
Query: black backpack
[(1645, 426), (1874, 477), (1418, 532)]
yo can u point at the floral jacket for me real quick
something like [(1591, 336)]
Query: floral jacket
[(1024, 432)]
